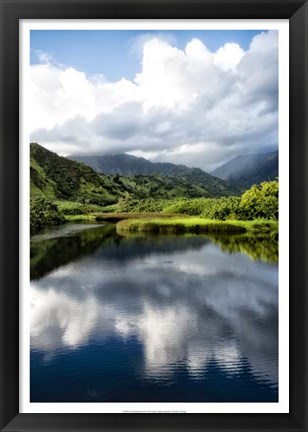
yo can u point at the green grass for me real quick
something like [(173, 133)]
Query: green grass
[(76, 208), (164, 223), (195, 225), (91, 217), (116, 217), (40, 185)]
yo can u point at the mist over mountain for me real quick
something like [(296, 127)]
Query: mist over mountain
[(128, 165), (59, 178), (246, 170)]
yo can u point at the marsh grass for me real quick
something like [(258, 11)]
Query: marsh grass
[(116, 217), (195, 226)]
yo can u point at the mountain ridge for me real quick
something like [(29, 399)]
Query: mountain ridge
[(246, 170), (59, 178), (129, 165)]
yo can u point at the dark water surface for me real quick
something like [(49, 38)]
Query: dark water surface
[(186, 319)]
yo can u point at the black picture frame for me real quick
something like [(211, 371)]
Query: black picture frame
[(14, 10)]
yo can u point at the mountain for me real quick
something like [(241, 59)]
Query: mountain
[(56, 177), (202, 183), (245, 170), (59, 178)]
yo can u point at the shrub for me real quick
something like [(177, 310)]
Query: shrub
[(260, 201), (43, 213)]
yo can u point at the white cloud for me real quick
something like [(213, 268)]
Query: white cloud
[(208, 106), (44, 57), (228, 56)]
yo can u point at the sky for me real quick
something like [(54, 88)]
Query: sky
[(197, 98)]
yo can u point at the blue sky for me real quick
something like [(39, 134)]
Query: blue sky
[(198, 98), (116, 53)]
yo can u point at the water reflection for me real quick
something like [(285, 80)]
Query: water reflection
[(188, 304), (257, 247), (60, 245)]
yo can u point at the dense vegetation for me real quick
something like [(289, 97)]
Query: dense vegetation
[(61, 188), (212, 208), (56, 177), (183, 181), (260, 201), (60, 178), (43, 213)]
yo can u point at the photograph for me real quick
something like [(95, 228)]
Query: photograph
[(153, 216)]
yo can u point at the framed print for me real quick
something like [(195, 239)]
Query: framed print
[(153, 215)]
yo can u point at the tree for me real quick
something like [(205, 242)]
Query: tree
[(43, 213), (260, 201)]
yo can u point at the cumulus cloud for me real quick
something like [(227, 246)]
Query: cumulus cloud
[(228, 56), (186, 105)]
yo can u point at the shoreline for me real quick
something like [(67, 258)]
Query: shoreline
[(183, 224), (164, 223), (192, 225)]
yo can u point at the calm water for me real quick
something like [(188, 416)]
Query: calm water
[(117, 319)]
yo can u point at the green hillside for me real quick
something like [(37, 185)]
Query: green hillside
[(58, 178), (62, 189), (179, 180)]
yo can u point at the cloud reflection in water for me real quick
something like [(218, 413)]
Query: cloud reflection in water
[(188, 308)]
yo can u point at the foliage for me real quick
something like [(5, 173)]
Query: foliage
[(61, 178), (167, 187), (64, 179), (260, 201), (176, 179), (211, 208), (77, 208), (60, 186), (43, 213)]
